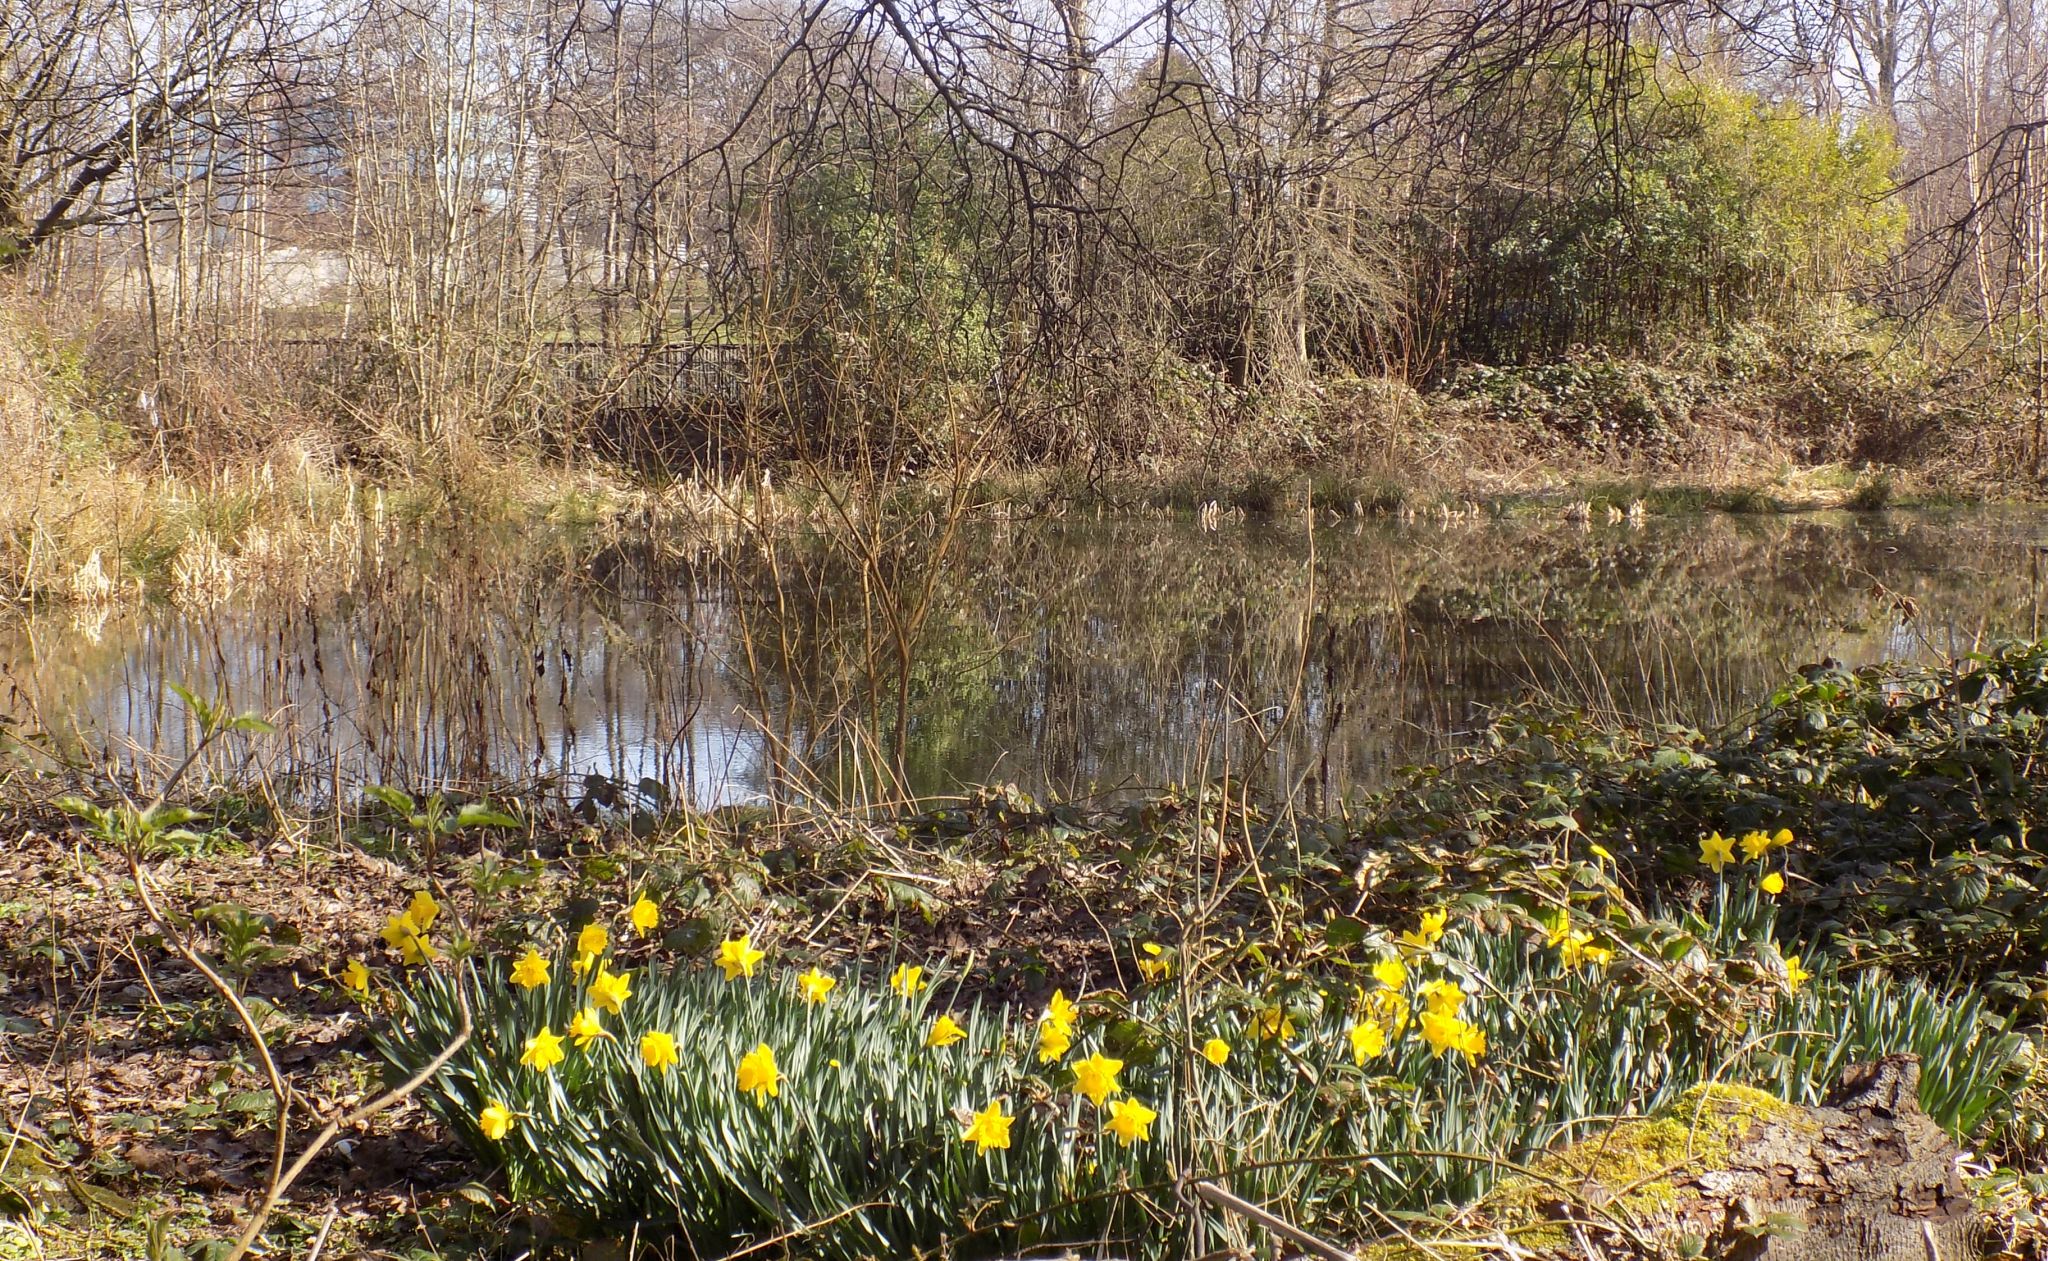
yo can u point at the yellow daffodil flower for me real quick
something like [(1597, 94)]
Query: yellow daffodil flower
[(1449, 1033), (531, 972), (657, 1049), (907, 979), (423, 911), (758, 1075), (1054, 1040), (1716, 851), (1390, 1008), (1796, 974), (645, 916), (543, 1051), (611, 990), (1095, 1077), (1781, 838), (989, 1128), (1216, 1051), (945, 1031), (580, 966), (814, 985), (495, 1121), (1428, 931), (1773, 884), (355, 978), (1155, 967), (592, 940), (1368, 1038), (584, 1028), (405, 935), (1578, 949), (1130, 1121), (1391, 973), (1275, 1022), (738, 958), (1755, 845), (1061, 1011), (1444, 998)]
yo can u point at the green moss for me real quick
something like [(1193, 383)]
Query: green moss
[(1634, 1161)]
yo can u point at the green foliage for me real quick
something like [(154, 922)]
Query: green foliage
[(1666, 199), (1915, 795), (435, 818), (874, 316)]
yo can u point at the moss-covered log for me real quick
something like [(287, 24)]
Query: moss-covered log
[(1730, 1172)]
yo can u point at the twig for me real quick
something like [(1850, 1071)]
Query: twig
[(320, 1240), (176, 939), (801, 1231), (335, 1126), (1286, 1230)]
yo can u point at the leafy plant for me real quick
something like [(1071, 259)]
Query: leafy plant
[(435, 818)]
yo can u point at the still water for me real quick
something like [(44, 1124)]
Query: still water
[(1065, 657)]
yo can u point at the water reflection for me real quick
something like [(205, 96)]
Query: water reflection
[(1065, 657)]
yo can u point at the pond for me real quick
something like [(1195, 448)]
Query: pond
[(1066, 657)]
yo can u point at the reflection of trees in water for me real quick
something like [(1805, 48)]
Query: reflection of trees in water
[(1060, 655)]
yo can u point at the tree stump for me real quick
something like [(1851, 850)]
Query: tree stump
[(1729, 1172)]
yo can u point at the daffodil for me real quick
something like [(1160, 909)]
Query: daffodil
[(355, 978), (1716, 851), (1155, 966), (495, 1121), (814, 985), (1130, 1121), (1755, 845), (1428, 931), (758, 1075), (1095, 1077), (580, 966), (409, 938), (531, 972), (1390, 972), (1368, 1038), (989, 1128), (1796, 974), (1054, 1040), (611, 990), (1061, 1011), (1449, 1033), (423, 911), (945, 1031), (543, 1051), (738, 958), (1390, 1008), (645, 915), (1579, 949), (1443, 998), (657, 1049), (1773, 884), (584, 1028), (1216, 1051), (907, 979), (1781, 838), (1275, 1023), (592, 940)]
